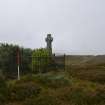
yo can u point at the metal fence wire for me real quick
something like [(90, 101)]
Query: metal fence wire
[(30, 64), (45, 64)]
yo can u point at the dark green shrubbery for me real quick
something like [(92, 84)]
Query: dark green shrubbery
[(47, 80), (51, 89), (80, 97), (22, 90), (53, 81), (8, 60), (3, 91), (43, 99)]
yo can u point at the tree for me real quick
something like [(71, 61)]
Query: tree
[(8, 60), (26, 60), (3, 91), (41, 60)]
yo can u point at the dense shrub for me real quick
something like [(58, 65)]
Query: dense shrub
[(8, 60), (54, 82), (48, 80), (55, 89), (3, 91), (44, 99), (40, 60), (21, 91), (78, 94)]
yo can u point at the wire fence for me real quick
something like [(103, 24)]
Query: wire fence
[(45, 64), (30, 64)]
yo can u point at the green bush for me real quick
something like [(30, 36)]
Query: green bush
[(3, 91), (22, 90), (44, 99), (79, 96), (52, 81), (40, 60)]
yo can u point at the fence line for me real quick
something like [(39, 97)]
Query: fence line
[(29, 64)]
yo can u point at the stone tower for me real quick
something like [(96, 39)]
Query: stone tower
[(49, 40)]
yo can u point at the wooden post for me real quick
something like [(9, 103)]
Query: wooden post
[(64, 62)]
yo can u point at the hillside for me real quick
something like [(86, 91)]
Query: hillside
[(87, 67), (85, 60), (82, 83), (54, 88)]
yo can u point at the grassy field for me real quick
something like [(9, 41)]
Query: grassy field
[(90, 68), (54, 88), (82, 83)]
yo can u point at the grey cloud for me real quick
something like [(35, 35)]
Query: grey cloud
[(77, 25)]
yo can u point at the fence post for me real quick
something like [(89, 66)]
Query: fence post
[(18, 63), (65, 62)]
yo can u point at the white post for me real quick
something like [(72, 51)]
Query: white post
[(18, 72)]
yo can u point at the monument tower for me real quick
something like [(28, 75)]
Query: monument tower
[(49, 40)]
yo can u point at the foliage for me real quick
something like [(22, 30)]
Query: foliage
[(52, 89), (20, 91), (53, 81), (3, 91), (8, 60), (41, 59), (26, 54), (55, 90), (44, 99)]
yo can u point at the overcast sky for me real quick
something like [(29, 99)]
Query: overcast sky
[(78, 26)]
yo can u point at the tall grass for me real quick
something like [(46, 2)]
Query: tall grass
[(55, 89)]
